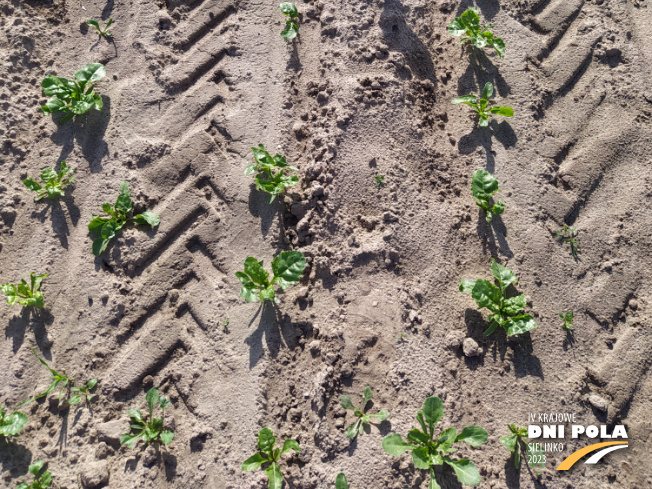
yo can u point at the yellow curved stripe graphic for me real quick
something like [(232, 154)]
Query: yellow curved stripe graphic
[(575, 456)]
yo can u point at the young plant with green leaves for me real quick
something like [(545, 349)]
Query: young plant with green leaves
[(505, 311), (267, 454), (108, 227), (480, 105), (287, 267), (102, 32), (292, 23), (380, 179), (363, 419), (76, 96), (428, 451), (41, 479), (53, 182), (567, 317), (468, 25), (483, 186), (25, 294), (66, 386), (11, 424), (267, 178), (568, 236), (149, 430), (516, 442), (341, 482)]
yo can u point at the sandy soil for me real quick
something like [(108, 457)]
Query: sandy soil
[(365, 89)]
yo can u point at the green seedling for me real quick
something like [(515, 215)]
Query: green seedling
[(267, 454), (483, 186), (73, 97), (267, 179), (67, 386), (108, 227), (26, 294), (53, 182), (291, 25), (150, 430), (480, 106), (468, 25), (363, 418), (341, 482), (380, 179), (567, 317), (516, 442), (568, 235), (505, 311), (225, 325), (287, 267), (11, 424), (428, 452), (41, 480), (102, 33), (401, 337)]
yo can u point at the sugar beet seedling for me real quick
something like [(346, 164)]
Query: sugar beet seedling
[(267, 179), (150, 430), (26, 295), (268, 454), (287, 268), (480, 106), (67, 386), (567, 317), (53, 182), (102, 32), (428, 452), (568, 235), (483, 186), (516, 442), (11, 424), (468, 25), (41, 479), (505, 311), (108, 227), (362, 418), (292, 23), (76, 96)]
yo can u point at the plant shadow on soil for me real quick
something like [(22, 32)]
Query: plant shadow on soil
[(14, 457), (493, 236), (58, 216), (39, 319), (400, 37), (524, 361), (89, 136), (488, 8), (480, 71), (259, 207), (277, 328), (513, 475)]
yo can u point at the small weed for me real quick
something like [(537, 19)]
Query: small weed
[(108, 227), (73, 97), (287, 267), (26, 294), (102, 33), (291, 25), (53, 182), (11, 424), (363, 419), (67, 386), (480, 106), (380, 179), (41, 480), (268, 454), (428, 452), (483, 186), (505, 311), (151, 429), (516, 442), (568, 235), (567, 317), (468, 25)]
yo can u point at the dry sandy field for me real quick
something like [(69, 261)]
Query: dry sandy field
[(364, 90)]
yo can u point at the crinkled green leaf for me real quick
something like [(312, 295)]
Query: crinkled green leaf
[(256, 272), (520, 324), (289, 9), (447, 438), (421, 458), (486, 294), (253, 462), (499, 46), (11, 293), (504, 111), (167, 437), (418, 437), (473, 435), (90, 73), (487, 91), (275, 476), (346, 403), (290, 445), (352, 431), (433, 410), (456, 28), (36, 467), (483, 184), (290, 32), (54, 105), (514, 305), (367, 394), (380, 416), (266, 440), (466, 471), (394, 444), (288, 267), (509, 441), (465, 99), (147, 217), (12, 424)]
